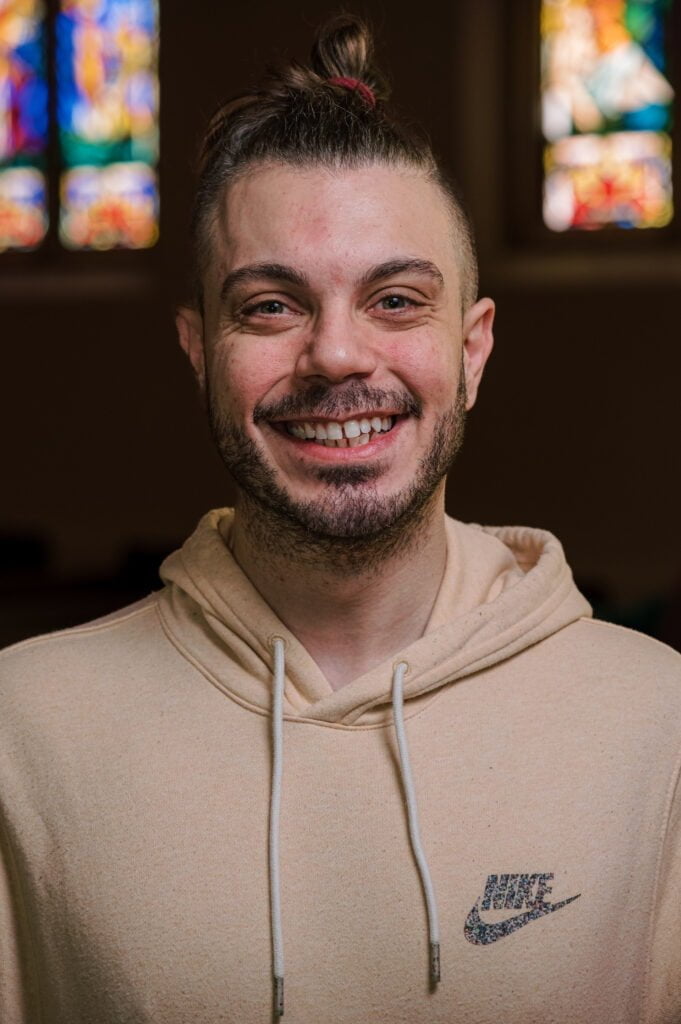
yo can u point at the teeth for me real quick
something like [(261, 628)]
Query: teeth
[(338, 434)]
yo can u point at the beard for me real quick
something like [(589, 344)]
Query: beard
[(351, 527)]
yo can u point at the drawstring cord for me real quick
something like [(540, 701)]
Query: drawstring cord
[(414, 830), (275, 811)]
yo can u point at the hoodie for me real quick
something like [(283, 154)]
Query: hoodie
[(188, 809)]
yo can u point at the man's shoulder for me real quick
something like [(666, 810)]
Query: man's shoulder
[(622, 659), (69, 653), (609, 638), (102, 625), (608, 688)]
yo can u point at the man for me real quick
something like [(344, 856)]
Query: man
[(349, 729)]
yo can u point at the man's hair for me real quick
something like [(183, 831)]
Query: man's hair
[(297, 116)]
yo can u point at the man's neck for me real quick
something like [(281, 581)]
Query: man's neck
[(349, 622)]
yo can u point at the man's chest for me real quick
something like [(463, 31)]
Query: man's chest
[(156, 905)]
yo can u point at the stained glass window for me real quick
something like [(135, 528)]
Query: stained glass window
[(606, 114), (107, 114), (23, 124), (105, 78)]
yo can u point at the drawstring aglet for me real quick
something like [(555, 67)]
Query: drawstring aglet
[(434, 962), (278, 997)]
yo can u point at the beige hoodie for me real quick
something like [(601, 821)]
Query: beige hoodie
[(135, 775)]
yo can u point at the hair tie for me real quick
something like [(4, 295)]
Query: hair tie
[(362, 88)]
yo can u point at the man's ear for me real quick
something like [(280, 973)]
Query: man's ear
[(478, 340), (189, 323)]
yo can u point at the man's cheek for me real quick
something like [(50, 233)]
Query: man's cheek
[(437, 392), (231, 380)]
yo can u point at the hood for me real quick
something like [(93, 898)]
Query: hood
[(504, 589)]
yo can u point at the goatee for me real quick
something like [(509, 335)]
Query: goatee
[(351, 529)]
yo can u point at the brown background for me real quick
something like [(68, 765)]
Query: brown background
[(107, 463)]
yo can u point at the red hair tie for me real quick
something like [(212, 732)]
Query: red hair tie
[(354, 83)]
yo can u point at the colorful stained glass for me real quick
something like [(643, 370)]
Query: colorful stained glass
[(111, 206), (23, 124), (107, 109), (606, 114)]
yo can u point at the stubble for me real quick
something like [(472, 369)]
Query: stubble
[(351, 529)]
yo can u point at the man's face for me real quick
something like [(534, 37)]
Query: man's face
[(333, 351)]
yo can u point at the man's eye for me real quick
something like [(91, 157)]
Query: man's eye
[(270, 307), (396, 302)]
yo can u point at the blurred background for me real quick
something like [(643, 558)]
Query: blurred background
[(107, 462)]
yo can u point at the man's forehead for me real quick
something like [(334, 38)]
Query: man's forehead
[(316, 217)]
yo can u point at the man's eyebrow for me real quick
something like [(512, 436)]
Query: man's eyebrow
[(258, 271), (399, 266), (281, 272)]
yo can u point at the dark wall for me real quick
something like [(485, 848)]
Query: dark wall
[(578, 422)]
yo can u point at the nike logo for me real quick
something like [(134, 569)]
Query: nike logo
[(511, 892)]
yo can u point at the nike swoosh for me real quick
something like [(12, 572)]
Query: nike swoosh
[(481, 934)]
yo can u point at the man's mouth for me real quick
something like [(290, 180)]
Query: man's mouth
[(350, 433)]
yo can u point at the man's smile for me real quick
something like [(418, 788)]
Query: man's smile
[(336, 434), (355, 437)]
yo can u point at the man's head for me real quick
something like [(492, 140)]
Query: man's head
[(335, 293), (301, 116)]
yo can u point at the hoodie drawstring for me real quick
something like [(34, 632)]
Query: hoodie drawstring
[(275, 809), (399, 672)]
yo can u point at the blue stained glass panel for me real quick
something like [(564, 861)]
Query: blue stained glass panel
[(107, 110), (23, 124)]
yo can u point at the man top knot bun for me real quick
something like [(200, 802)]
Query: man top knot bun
[(332, 113), (343, 52)]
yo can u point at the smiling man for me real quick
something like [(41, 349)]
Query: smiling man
[(229, 770), (337, 367)]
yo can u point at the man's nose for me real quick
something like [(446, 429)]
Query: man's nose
[(338, 347)]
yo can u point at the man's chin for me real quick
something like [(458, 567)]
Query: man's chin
[(341, 502), (346, 506), (346, 513)]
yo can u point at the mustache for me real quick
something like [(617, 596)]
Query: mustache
[(331, 401)]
